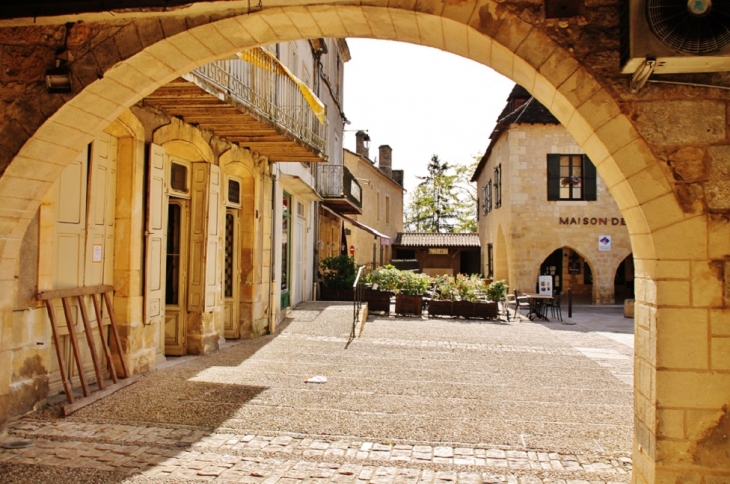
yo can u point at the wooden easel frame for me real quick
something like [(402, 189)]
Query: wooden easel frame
[(104, 300)]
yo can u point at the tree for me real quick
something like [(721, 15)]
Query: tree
[(467, 194), (438, 204)]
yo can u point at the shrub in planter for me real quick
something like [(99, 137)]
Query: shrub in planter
[(410, 290), (337, 275), (385, 278)]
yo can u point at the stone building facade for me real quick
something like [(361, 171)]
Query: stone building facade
[(382, 215), (542, 209), (662, 151), (179, 222)]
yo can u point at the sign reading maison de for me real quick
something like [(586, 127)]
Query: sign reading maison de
[(592, 221)]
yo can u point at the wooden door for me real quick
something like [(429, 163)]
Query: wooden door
[(100, 225), (83, 246), (68, 255), (176, 266), (300, 273)]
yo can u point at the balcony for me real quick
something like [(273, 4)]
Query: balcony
[(253, 102), (340, 190)]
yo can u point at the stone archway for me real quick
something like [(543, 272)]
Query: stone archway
[(676, 242)]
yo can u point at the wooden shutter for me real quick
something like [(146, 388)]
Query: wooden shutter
[(590, 190), (154, 305), (477, 208), (213, 260), (198, 236), (553, 177)]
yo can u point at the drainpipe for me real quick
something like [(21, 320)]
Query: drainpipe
[(272, 288)]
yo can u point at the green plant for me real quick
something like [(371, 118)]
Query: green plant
[(445, 288), (338, 272), (413, 284), (497, 290), (385, 277), (468, 288)]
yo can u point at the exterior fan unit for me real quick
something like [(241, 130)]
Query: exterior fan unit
[(682, 36)]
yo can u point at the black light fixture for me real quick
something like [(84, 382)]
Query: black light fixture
[(58, 78)]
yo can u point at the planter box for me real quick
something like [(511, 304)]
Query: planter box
[(485, 310), (336, 295), (438, 307), (465, 309), (377, 300), (405, 304)]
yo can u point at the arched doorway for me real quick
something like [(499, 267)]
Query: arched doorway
[(571, 273), (623, 281)]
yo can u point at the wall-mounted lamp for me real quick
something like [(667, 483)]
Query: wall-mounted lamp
[(58, 79)]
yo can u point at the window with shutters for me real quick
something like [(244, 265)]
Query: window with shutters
[(487, 198), (498, 186), (571, 177)]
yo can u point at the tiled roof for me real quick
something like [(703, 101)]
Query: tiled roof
[(422, 239), (531, 112)]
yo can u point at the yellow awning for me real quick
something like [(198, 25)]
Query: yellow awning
[(262, 58)]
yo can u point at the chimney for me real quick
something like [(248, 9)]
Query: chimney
[(385, 162), (398, 177), (362, 144)]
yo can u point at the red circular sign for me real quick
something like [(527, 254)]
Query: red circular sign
[(352, 250)]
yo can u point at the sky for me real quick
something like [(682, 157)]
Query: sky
[(420, 101)]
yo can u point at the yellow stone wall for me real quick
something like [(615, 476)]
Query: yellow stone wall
[(375, 186), (527, 228), (29, 354)]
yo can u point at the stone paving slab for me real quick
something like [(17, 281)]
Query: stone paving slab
[(98, 442)]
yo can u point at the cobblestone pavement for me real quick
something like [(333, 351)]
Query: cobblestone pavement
[(410, 400)]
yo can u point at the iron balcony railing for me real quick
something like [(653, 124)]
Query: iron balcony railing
[(266, 93), (336, 181)]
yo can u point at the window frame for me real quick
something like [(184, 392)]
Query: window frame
[(556, 177)]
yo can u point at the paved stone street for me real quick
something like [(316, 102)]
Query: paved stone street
[(410, 400)]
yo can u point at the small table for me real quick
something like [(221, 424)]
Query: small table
[(535, 302)]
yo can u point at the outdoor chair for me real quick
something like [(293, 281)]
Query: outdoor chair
[(554, 307), (521, 302)]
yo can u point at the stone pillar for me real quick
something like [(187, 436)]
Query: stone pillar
[(362, 143), (385, 160)]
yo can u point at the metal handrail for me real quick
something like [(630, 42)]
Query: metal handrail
[(358, 291), (275, 98)]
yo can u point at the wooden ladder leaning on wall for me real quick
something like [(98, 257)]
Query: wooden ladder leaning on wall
[(104, 300)]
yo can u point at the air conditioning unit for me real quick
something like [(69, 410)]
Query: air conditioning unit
[(682, 36)]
